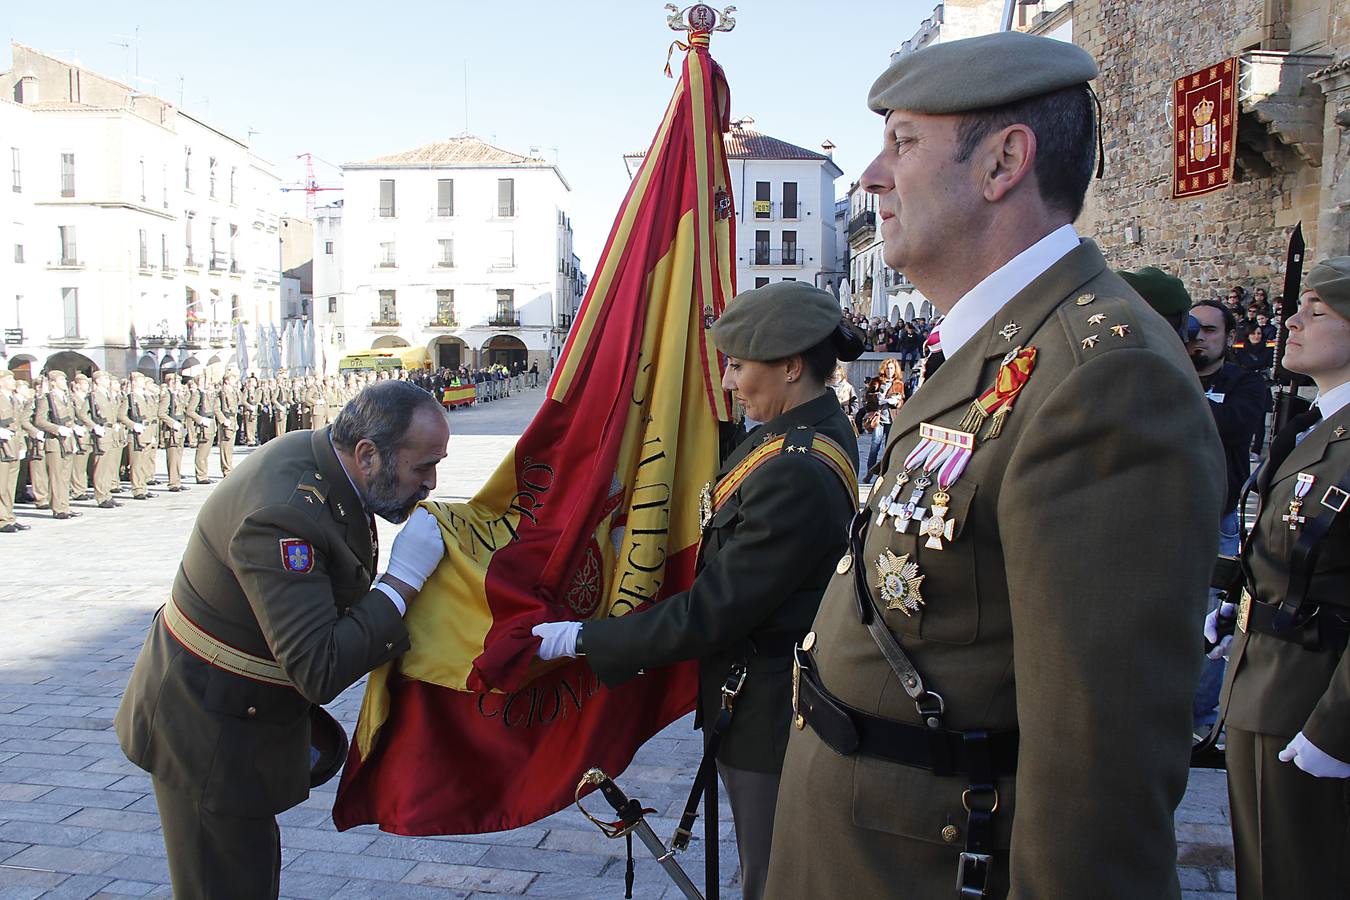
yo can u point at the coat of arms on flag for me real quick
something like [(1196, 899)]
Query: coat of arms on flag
[(1204, 139)]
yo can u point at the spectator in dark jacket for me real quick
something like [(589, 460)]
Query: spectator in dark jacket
[(1238, 398)]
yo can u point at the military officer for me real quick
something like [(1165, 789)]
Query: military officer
[(55, 417), (202, 410), (228, 401), (12, 451), (103, 425), (1287, 692), (275, 590), (36, 439), (252, 399), (173, 429), (774, 530), (139, 418), (84, 438), (996, 694), (320, 410), (282, 401)]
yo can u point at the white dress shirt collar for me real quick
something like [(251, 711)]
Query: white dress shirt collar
[(1334, 400), (982, 302), (350, 480)]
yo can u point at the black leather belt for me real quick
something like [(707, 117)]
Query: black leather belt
[(848, 730), (1326, 628)]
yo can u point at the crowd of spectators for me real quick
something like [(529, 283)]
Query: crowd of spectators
[(500, 378)]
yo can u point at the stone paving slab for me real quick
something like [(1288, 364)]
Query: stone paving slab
[(77, 820)]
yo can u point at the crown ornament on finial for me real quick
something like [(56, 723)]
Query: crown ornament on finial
[(699, 17)]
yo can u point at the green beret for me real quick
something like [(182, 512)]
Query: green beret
[(1331, 279), (979, 72), (776, 321), (1165, 293)]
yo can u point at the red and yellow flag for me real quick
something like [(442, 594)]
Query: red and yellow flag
[(595, 513)]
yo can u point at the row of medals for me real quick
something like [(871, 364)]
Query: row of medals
[(940, 450)]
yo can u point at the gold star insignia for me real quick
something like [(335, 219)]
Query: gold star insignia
[(1120, 330), (1090, 341), (1009, 331), (1098, 319), (797, 449), (899, 582), (1085, 299)]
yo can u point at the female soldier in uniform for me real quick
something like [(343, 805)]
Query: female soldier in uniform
[(774, 531), (1287, 699)]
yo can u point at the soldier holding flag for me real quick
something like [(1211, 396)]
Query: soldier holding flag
[(773, 530)]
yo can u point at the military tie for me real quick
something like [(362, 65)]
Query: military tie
[(932, 359), (1290, 435), (374, 542)]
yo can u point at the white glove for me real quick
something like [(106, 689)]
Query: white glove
[(417, 549), (1212, 630), (5, 434), (137, 427), (559, 639), (99, 430), (80, 430), (64, 431), (1304, 754), (176, 425)]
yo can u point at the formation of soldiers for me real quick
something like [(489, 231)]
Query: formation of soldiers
[(90, 437)]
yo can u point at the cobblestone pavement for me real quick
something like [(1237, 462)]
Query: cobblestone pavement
[(77, 820)]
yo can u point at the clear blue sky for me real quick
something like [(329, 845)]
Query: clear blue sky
[(347, 81)]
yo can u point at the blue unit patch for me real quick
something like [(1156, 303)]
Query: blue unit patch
[(297, 555)]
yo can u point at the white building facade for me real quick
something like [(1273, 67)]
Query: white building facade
[(458, 247), (785, 211), (142, 238)]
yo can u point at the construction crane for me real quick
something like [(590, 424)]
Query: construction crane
[(311, 184)]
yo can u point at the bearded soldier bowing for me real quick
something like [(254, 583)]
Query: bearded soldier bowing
[(995, 698), (273, 611)]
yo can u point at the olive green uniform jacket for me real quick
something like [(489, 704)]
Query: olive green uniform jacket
[(1277, 687), (1066, 607), (766, 557), (242, 745)]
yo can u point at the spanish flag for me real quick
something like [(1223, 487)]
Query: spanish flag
[(595, 513)]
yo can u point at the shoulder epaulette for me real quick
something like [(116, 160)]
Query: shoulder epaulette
[(309, 497), (804, 440), (1096, 324)]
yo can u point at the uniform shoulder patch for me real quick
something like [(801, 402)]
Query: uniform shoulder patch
[(297, 555)]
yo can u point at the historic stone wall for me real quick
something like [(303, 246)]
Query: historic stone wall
[(1234, 236)]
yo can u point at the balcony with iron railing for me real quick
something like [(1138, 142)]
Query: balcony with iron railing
[(442, 322), (776, 256), (219, 262), (863, 222), (505, 319), (66, 262), (389, 320)]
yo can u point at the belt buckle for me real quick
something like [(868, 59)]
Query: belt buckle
[(972, 874), (1244, 611)]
